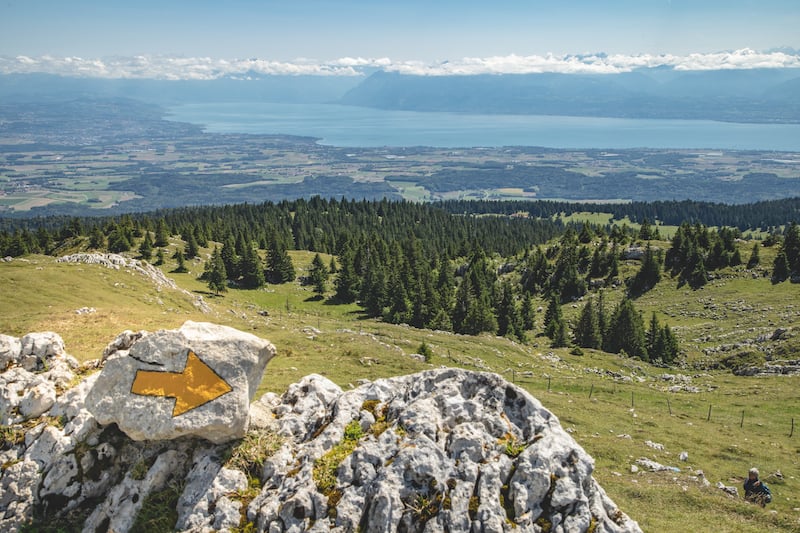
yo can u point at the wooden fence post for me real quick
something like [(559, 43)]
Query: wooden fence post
[(591, 390), (741, 422), (669, 407), (708, 418)]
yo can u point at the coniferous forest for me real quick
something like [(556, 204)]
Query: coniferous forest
[(456, 266)]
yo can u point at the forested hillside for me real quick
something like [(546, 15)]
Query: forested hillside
[(423, 265)]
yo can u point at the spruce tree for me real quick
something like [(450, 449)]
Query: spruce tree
[(159, 257), (347, 280), (791, 246), (318, 275), (527, 312), (146, 247), (780, 268), (649, 273), (626, 331), (587, 332), (552, 317), (508, 318), (192, 248), (251, 268), (230, 258), (560, 336), (97, 240), (399, 311), (755, 259), (215, 273), (181, 268), (162, 234), (279, 265)]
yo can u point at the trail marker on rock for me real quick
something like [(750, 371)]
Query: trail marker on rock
[(197, 380), (197, 385)]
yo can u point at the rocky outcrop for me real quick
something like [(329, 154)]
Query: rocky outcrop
[(194, 381), (143, 268), (443, 450)]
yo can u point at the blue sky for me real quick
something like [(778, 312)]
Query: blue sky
[(402, 30)]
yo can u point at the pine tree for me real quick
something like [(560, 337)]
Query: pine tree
[(119, 240), (613, 264), (159, 257), (162, 234), (251, 268), (192, 248), (696, 274), (146, 247), (755, 259), (181, 268), (279, 265), (587, 332), (318, 275), (230, 258), (560, 334), (791, 245), (626, 332), (347, 280), (649, 273), (552, 317), (508, 317), (780, 268), (399, 311), (527, 312), (216, 275), (97, 240), (645, 231), (652, 338)]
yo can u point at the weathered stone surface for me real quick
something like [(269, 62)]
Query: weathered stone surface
[(204, 408), (205, 504), (10, 349), (444, 450)]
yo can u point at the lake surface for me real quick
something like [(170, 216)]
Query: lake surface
[(339, 125)]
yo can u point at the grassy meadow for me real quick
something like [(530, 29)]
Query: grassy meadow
[(610, 404)]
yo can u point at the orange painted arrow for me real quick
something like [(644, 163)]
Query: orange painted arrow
[(198, 384)]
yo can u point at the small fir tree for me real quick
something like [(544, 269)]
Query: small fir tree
[(318, 275)]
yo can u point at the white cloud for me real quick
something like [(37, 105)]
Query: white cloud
[(206, 68)]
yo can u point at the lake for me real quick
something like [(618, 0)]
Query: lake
[(339, 125)]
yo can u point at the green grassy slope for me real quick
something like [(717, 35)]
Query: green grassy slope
[(729, 425)]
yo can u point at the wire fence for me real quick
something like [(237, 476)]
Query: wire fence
[(690, 406)]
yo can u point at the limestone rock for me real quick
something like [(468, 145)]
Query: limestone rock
[(197, 380), (10, 348), (444, 450)]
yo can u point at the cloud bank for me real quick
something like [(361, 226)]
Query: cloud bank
[(206, 68)]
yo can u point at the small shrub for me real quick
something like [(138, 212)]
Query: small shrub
[(511, 446), (425, 351)]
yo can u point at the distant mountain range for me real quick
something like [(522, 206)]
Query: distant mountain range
[(768, 95), (754, 95)]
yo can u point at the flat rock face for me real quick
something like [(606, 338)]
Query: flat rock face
[(194, 381)]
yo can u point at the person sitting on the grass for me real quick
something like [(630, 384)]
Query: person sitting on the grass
[(756, 491)]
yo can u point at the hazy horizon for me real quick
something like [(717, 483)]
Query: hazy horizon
[(205, 40)]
